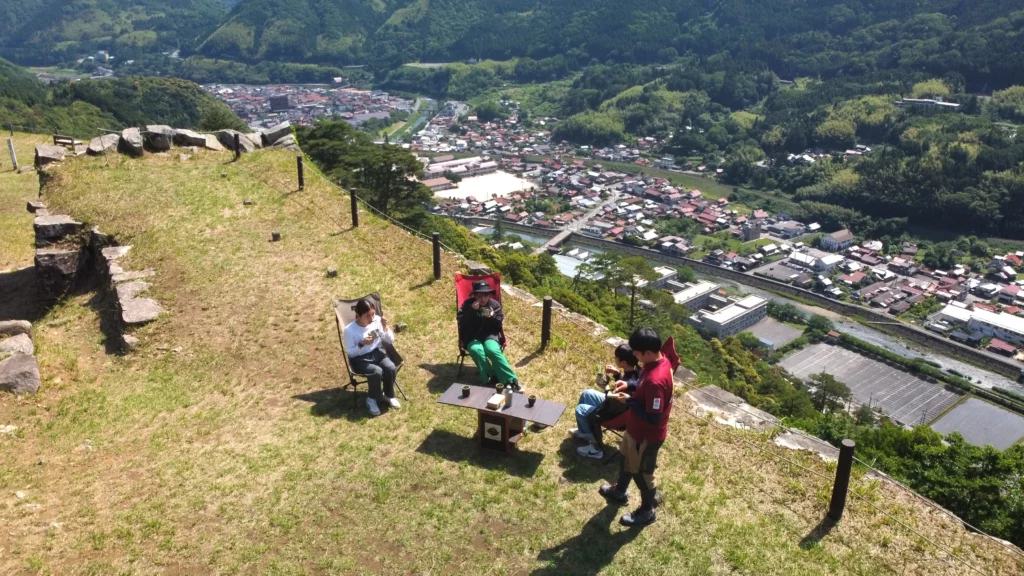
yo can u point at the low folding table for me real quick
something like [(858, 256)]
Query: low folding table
[(503, 428)]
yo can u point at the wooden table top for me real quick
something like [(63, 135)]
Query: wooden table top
[(543, 412)]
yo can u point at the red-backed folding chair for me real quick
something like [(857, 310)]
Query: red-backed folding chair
[(463, 290)]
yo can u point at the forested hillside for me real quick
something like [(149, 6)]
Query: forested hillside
[(38, 32), (297, 30), (83, 108), (791, 37), (978, 39)]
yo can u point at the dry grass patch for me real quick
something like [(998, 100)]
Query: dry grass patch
[(223, 447)]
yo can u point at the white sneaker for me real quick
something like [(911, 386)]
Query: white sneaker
[(590, 452), (372, 405), (573, 432), (394, 403)]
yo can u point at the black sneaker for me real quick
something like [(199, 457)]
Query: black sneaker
[(613, 495), (638, 518), (516, 387)]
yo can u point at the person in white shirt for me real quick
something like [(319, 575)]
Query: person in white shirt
[(363, 340)]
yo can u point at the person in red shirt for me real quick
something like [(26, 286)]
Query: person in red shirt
[(646, 426)]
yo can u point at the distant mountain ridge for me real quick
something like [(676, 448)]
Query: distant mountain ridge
[(39, 32), (981, 39)]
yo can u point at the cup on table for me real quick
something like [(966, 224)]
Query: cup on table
[(465, 391), (531, 400)]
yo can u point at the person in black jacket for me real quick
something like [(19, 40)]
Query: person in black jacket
[(480, 319)]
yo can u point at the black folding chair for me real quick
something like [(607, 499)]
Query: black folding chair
[(345, 315)]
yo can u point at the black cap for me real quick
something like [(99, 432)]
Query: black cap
[(482, 286)]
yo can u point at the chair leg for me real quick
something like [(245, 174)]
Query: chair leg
[(462, 360), (399, 386)]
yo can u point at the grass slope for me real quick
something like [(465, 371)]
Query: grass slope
[(16, 235), (222, 448)]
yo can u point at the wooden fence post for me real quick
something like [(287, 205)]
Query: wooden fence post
[(302, 179), (14, 157), (355, 207), (842, 484), (545, 325), (437, 255)]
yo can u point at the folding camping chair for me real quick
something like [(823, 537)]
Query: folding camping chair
[(463, 290), (617, 425), (345, 315)]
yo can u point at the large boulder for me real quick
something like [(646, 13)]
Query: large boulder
[(47, 154), (285, 142), (212, 143), (102, 144), (19, 374), (50, 229), (15, 327), (20, 344), (255, 138), (131, 142), (183, 137), (274, 133), (227, 138), (56, 272), (159, 137)]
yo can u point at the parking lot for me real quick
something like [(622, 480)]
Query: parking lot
[(903, 397), (776, 332), (982, 424), (778, 271)]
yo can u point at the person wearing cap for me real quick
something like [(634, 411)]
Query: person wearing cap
[(480, 319)]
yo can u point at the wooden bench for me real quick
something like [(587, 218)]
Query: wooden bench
[(66, 141)]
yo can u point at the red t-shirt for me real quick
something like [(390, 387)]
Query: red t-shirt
[(654, 391)]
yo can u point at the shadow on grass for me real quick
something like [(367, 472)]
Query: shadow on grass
[(576, 468), (589, 551), (815, 536), (456, 448), (103, 304), (428, 282), (336, 403), (19, 300), (444, 375), (532, 356)]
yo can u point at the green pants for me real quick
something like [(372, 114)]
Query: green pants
[(490, 360)]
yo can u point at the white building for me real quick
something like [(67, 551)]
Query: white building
[(801, 260), (695, 296), (732, 319), (837, 241), (988, 324), (828, 262)]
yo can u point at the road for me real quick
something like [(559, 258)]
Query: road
[(576, 225)]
